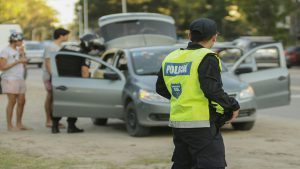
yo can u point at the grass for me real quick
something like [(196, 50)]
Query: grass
[(18, 160), (14, 160)]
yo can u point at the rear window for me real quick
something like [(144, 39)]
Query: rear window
[(135, 27), (267, 58)]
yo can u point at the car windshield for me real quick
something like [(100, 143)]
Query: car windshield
[(228, 55), (148, 61), (135, 27), (240, 43), (34, 47)]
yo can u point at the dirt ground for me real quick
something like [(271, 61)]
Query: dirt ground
[(272, 143)]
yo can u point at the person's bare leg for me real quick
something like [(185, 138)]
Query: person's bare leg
[(9, 110), (48, 109), (20, 110)]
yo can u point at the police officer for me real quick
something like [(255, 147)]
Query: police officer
[(90, 44), (77, 67), (191, 79)]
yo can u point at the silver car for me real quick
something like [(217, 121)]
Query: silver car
[(122, 85)]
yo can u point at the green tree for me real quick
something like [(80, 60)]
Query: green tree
[(35, 17), (234, 17), (263, 17)]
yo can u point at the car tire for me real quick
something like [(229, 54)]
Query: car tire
[(132, 124), (39, 65), (99, 121), (243, 126)]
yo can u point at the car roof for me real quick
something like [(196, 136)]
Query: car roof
[(257, 38)]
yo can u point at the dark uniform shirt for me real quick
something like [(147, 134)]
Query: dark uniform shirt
[(70, 66), (210, 82)]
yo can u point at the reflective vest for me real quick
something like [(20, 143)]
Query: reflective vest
[(189, 106)]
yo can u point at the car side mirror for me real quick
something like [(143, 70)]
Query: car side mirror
[(111, 76), (243, 70)]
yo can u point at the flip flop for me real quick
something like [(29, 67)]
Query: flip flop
[(25, 128)]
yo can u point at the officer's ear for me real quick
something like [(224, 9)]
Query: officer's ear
[(214, 38), (190, 36)]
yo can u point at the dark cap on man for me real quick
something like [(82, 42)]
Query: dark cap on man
[(206, 27)]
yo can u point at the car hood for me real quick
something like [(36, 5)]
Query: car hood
[(231, 83)]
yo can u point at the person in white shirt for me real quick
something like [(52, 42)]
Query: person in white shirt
[(60, 35), (12, 63)]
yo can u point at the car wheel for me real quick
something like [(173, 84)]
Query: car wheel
[(243, 126), (40, 65), (132, 124), (99, 121)]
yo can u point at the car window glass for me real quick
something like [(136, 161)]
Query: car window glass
[(34, 46), (229, 55), (80, 67), (241, 43), (109, 58), (267, 58), (122, 62)]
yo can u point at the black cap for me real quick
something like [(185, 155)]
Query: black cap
[(206, 27), (60, 31)]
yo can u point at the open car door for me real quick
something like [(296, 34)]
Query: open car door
[(264, 68), (98, 96)]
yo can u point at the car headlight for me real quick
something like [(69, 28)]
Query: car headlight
[(151, 96), (247, 93)]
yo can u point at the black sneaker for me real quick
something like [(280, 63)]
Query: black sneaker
[(55, 129), (74, 129)]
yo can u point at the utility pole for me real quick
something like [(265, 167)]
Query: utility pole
[(86, 19), (79, 8), (124, 6)]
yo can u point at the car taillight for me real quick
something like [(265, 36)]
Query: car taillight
[(286, 54)]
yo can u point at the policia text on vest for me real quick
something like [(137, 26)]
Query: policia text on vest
[(180, 70)]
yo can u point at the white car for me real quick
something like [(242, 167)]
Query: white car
[(34, 52)]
